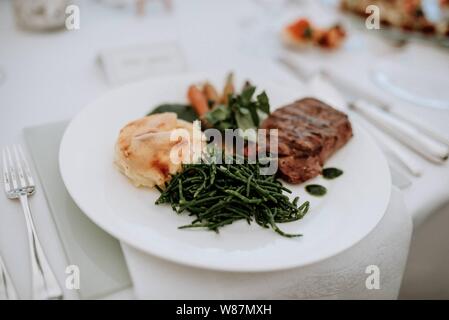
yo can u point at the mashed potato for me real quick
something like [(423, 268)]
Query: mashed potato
[(144, 149)]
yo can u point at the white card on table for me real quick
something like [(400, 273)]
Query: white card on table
[(122, 65)]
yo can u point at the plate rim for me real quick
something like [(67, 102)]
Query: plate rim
[(121, 236)]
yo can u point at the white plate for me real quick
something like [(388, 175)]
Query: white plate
[(354, 205)]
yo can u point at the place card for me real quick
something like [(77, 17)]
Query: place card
[(126, 64)]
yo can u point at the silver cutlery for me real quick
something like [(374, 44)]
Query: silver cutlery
[(416, 122), (408, 135), (392, 148), (7, 290), (405, 160), (416, 135), (420, 138), (19, 184)]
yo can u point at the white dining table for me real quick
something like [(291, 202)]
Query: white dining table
[(50, 77)]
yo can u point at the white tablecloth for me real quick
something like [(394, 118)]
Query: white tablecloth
[(340, 277)]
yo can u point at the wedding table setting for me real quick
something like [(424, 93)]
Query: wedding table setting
[(68, 88)]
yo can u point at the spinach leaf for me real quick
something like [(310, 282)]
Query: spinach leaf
[(316, 190), (219, 113), (247, 94), (184, 112), (264, 103), (244, 119), (243, 111), (332, 173)]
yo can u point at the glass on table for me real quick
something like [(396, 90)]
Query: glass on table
[(40, 15)]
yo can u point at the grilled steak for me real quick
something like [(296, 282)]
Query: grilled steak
[(310, 131)]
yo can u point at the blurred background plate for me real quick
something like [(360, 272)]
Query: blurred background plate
[(415, 74), (428, 9)]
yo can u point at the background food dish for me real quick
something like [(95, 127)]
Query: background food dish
[(408, 18)]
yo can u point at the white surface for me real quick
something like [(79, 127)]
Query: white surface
[(335, 222), (51, 76), (340, 277)]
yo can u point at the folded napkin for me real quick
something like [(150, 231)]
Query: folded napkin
[(96, 253)]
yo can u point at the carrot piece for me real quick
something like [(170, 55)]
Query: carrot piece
[(211, 93), (198, 100), (228, 88), (300, 29)]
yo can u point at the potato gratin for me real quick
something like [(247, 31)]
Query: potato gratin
[(143, 151)]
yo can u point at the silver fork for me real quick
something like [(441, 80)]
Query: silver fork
[(19, 184)]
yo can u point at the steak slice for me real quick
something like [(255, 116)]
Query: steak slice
[(310, 131)]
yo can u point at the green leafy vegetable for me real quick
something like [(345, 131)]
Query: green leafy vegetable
[(220, 194), (241, 112), (316, 190), (332, 173), (184, 112), (218, 116), (264, 104), (244, 119), (247, 94)]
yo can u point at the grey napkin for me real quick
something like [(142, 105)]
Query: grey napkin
[(98, 255)]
